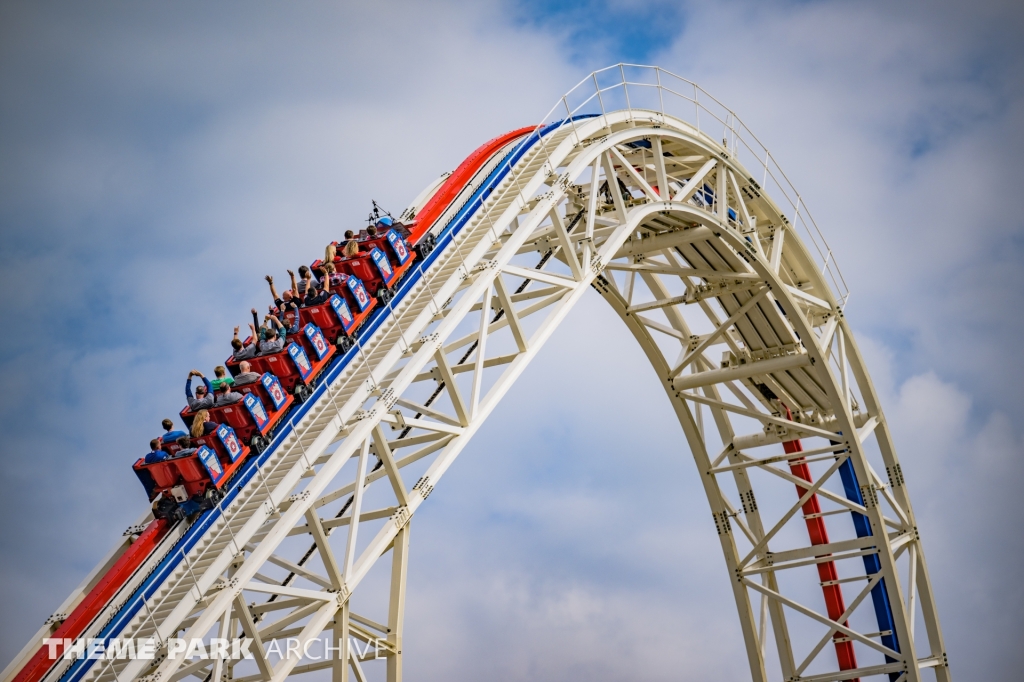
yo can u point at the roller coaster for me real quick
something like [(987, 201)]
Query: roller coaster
[(642, 187)]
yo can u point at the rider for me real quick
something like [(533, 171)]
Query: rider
[(240, 351), (245, 374), (272, 336), (222, 377), (156, 454), (225, 396), (203, 398), (172, 434)]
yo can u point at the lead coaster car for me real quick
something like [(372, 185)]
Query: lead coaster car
[(188, 484)]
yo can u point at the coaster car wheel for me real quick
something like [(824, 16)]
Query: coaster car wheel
[(167, 508), (384, 295), (259, 443), (344, 343), (302, 392), (426, 245), (207, 500)]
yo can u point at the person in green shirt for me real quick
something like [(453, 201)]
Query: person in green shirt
[(222, 377)]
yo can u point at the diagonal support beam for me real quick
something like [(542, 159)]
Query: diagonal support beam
[(841, 619), (744, 213), (448, 377), (809, 491), (380, 444), (292, 567), (805, 430), (538, 275), (636, 177), (481, 352), (249, 628), (287, 591), (663, 328), (660, 303), (659, 168), (279, 628), (510, 313), (426, 411), (568, 248), (357, 509), (326, 554), (612, 178), (722, 328), (772, 594), (693, 183)]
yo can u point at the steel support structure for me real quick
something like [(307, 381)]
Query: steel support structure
[(738, 321)]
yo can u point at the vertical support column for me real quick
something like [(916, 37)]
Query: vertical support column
[(225, 632), (339, 667), (396, 611), (722, 194), (234, 624)]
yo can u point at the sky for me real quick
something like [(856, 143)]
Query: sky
[(157, 160)]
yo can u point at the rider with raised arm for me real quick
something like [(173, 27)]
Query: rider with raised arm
[(272, 337), (203, 398), (240, 351)]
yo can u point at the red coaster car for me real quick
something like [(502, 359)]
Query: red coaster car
[(295, 369), (171, 448), (264, 403), (341, 317), (381, 262), (360, 267), (191, 483)]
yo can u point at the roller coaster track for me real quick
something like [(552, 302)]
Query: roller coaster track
[(650, 192)]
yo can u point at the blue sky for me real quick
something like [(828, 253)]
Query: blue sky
[(157, 161), (591, 32)]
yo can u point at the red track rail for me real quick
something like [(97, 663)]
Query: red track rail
[(98, 597), (443, 197)]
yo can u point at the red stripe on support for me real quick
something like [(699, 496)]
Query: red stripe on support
[(818, 533)]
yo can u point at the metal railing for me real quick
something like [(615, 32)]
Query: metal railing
[(639, 88)]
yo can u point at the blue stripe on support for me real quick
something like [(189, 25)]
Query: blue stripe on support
[(879, 594)]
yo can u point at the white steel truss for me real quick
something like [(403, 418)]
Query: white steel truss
[(743, 326)]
